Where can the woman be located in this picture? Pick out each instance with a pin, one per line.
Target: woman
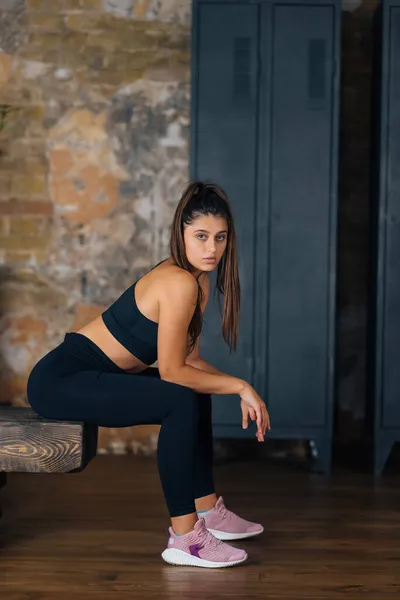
(100, 374)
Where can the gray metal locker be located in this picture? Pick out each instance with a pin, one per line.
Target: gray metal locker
(265, 94)
(384, 383)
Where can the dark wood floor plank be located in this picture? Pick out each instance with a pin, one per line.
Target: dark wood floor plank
(99, 534)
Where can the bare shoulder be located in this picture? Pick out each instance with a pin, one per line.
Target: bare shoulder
(176, 282)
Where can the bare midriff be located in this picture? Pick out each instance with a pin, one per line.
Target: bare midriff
(97, 331)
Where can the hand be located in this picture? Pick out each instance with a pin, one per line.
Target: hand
(251, 404)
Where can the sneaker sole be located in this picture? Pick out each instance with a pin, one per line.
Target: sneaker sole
(179, 557)
(223, 535)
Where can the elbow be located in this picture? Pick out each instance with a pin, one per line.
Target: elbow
(168, 374)
(192, 362)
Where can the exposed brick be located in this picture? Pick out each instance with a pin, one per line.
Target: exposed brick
(40, 256)
(40, 22)
(5, 67)
(45, 5)
(44, 42)
(90, 4)
(84, 313)
(24, 226)
(4, 225)
(28, 186)
(26, 207)
(61, 162)
(72, 4)
(27, 149)
(85, 5)
(21, 119)
(15, 257)
(84, 22)
(6, 178)
(12, 387)
(24, 326)
(23, 242)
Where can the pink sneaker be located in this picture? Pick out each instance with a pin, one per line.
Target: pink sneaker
(225, 525)
(199, 548)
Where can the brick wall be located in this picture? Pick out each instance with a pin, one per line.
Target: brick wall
(93, 156)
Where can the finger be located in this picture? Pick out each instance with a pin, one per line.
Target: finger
(259, 436)
(265, 423)
(268, 424)
(265, 419)
(259, 420)
(245, 420)
(252, 413)
(262, 423)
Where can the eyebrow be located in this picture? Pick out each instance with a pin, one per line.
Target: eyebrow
(206, 231)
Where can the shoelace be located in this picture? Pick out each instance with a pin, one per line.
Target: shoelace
(208, 539)
(225, 513)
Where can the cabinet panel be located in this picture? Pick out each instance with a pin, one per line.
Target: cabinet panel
(391, 223)
(300, 236)
(264, 125)
(383, 410)
(224, 150)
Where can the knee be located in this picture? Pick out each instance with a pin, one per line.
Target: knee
(186, 403)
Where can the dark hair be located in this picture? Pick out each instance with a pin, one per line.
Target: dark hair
(201, 198)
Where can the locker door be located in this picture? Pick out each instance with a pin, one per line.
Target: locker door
(390, 221)
(224, 125)
(300, 279)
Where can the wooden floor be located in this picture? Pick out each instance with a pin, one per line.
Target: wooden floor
(98, 535)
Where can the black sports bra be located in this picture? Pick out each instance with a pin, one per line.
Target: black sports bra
(131, 328)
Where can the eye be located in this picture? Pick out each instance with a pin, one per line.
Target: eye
(201, 236)
(221, 238)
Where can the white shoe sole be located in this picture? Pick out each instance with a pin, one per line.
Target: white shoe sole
(178, 557)
(222, 535)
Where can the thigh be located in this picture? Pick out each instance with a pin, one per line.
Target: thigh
(203, 400)
(113, 399)
(150, 372)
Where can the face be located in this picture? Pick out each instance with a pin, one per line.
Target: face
(205, 241)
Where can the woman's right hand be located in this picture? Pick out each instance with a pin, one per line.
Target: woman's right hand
(251, 404)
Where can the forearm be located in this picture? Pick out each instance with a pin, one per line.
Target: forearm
(203, 365)
(205, 382)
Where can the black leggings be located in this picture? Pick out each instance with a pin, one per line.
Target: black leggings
(78, 382)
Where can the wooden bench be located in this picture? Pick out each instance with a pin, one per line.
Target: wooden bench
(32, 444)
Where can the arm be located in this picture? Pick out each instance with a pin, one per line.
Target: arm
(194, 360)
(177, 303)
(203, 365)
